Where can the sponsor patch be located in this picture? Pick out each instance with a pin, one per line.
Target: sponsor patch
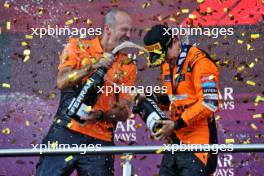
(211, 96)
(210, 106)
(209, 90)
(208, 84)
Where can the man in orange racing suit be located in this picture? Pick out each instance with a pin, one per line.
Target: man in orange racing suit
(192, 80)
(78, 61)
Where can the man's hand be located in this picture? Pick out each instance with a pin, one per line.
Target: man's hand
(93, 115)
(104, 62)
(166, 130)
(116, 113)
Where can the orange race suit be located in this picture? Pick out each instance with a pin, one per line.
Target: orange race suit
(194, 98)
(122, 72)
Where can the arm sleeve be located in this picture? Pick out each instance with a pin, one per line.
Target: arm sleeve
(205, 80)
(70, 55)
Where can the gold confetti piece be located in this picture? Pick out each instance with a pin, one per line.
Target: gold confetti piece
(247, 141)
(8, 25)
(41, 11)
(254, 36)
(259, 98)
(193, 17)
(69, 125)
(27, 123)
(239, 41)
(26, 58)
(69, 22)
(217, 117)
(6, 131)
(6, 85)
(54, 144)
(26, 52)
(184, 10)
(251, 65)
(251, 83)
(140, 53)
(241, 68)
(173, 19)
(200, 1)
(139, 125)
(29, 36)
(89, 22)
(126, 157)
(58, 121)
(73, 76)
(162, 149)
(243, 34)
(255, 116)
(160, 18)
(253, 126)
(24, 43)
(230, 141)
(256, 59)
(69, 158)
(88, 108)
(7, 4)
(146, 5)
(209, 10)
(132, 116)
(248, 46)
(225, 9)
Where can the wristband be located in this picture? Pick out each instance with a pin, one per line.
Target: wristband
(179, 124)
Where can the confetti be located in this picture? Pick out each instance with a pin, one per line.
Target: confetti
(88, 108)
(229, 141)
(26, 52)
(139, 125)
(24, 43)
(8, 25)
(251, 65)
(184, 10)
(162, 149)
(241, 68)
(69, 125)
(253, 126)
(26, 58)
(27, 123)
(41, 11)
(69, 158)
(248, 46)
(89, 22)
(254, 36)
(209, 10)
(251, 83)
(58, 121)
(217, 117)
(6, 85)
(239, 41)
(200, 1)
(69, 22)
(146, 5)
(7, 4)
(140, 53)
(6, 131)
(73, 76)
(54, 144)
(255, 116)
(29, 37)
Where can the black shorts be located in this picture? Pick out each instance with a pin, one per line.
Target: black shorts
(86, 165)
(181, 164)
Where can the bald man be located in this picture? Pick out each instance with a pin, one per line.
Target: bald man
(81, 58)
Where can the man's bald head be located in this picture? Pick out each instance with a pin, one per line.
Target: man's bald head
(117, 28)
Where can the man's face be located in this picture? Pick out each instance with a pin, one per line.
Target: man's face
(173, 52)
(122, 29)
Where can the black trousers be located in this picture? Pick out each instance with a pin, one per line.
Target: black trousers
(181, 164)
(63, 165)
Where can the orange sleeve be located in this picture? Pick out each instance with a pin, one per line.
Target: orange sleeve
(70, 51)
(205, 78)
